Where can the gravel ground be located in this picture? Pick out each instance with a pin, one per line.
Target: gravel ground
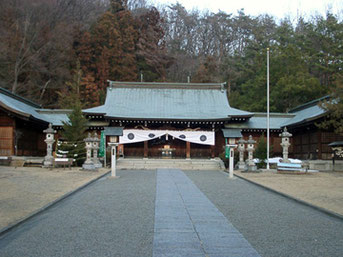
(112, 217)
(24, 190)
(323, 189)
(274, 225)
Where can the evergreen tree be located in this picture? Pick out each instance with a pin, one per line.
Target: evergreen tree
(261, 151)
(334, 106)
(73, 134)
(107, 51)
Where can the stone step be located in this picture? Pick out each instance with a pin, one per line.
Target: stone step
(17, 163)
(192, 164)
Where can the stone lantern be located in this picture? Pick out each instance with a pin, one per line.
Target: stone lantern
(285, 135)
(49, 140)
(89, 164)
(251, 166)
(96, 147)
(241, 148)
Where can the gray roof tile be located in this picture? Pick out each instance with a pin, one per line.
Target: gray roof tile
(232, 133)
(26, 108)
(306, 114)
(167, 101)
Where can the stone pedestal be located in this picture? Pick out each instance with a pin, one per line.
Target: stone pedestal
(89, 164)
(285, 135)
(241, 150)
(251, 166)
(49, 140)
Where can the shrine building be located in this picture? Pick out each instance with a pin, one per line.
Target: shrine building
(187, 120)
(173, 120)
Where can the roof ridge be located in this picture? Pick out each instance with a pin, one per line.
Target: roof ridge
(166, 85)
(19, 98)
(308, 104)
(273, 114)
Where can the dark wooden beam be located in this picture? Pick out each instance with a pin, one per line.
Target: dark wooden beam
(146, 149)
(319, 157)
(212, 151)
(188, 150)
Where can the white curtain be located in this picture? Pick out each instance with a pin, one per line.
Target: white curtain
(198, 137)
(135, 135)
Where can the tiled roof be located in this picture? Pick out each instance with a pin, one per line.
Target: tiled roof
(28, 109)
(306, 112)
(232, 133)
(259, 121)
(167, 101)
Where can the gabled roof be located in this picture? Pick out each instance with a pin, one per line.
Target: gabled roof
(259, 121)
(30, 110)
(307, 112)
(55, 116)
(19, 105)
(167, 101)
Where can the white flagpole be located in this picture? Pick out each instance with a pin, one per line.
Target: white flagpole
(267, 108)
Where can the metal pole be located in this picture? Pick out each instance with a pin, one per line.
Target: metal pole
(267, 108)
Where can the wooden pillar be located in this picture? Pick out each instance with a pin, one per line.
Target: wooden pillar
(271, 143)
(212, 151)
(301, 147)
(14, 146)
(309, 145)
(188, 150)
(319, 134)
(145, 149)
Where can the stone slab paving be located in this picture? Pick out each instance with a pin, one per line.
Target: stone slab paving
(188, 224)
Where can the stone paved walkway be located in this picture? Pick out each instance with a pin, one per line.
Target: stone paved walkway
(188, 224)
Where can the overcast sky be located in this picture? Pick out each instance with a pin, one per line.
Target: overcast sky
(277, 8)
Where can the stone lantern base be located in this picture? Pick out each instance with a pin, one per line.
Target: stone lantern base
(48, 162)
(286, 160)
(89, 166)
(241, 165)
(250, 166)
(98, 165)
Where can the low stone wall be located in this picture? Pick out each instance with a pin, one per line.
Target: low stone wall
(326, 165)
